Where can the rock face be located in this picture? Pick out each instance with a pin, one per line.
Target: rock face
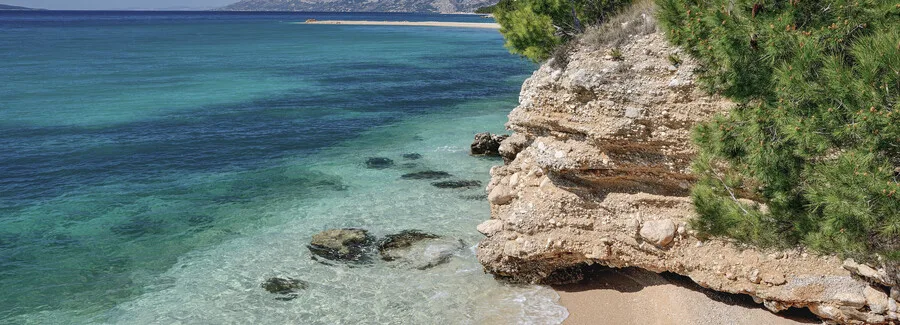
(599, 172)
(487, 144)
(347, 244)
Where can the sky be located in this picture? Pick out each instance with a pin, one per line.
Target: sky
(118, 4)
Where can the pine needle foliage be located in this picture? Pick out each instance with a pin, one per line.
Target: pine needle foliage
(815, 138)
(534, 28)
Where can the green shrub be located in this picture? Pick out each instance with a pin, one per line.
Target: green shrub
(533, 28)
(616, 54)
(816, 135)
(486, 9)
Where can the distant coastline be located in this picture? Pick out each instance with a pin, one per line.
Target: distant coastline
(402, 23)
(16, 8)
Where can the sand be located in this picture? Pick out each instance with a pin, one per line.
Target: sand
(404, 23)
(633, 296)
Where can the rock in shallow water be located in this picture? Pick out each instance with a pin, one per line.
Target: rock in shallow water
(429, 174)
(379, 163)
(487, 144)
(348, 244)
(418, 250)
(412, 156)
(404, 239)
(457, 184)
(287, 287)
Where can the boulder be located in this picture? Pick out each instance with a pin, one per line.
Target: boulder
(379, 163)
(428, 174)
(412, 156)
(487, 144)
(457, 184)
(348, 244)
(286, 287)
(658, 232)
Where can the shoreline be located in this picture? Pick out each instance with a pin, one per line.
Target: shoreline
(402, 23)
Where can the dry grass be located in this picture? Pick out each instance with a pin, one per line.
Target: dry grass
(636, 20)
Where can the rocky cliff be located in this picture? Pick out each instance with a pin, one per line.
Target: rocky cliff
(442, 6)
(598, 171)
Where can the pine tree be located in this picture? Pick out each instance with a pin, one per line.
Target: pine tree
(534, 28)
(811, 154)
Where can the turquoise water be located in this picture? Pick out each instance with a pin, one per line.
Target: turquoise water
(156, 167)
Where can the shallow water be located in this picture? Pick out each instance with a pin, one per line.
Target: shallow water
(159, 166)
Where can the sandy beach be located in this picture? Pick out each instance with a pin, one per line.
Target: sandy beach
(632, 296)
(404, 23)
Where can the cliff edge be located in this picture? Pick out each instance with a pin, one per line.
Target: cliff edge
(598, 171)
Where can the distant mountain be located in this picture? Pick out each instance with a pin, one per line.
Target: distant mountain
(8, 7)
(442, 6)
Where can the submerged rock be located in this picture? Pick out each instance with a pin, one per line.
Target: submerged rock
(418, 250)
(474, 197)
(348, 244)
(139, 226)
(379, 163)
(287, 287)
(412, 156)
(457, 184)
(402, 240)
(429, 174)
(487, 144)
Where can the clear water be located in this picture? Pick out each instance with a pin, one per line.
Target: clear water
(156, 167)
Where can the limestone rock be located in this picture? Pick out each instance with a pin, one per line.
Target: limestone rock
(876, 299)
(867, 272)
(613, 147)
(658, 232)
(773, 278)
(500, 195)
(490, 227)
(511, 147)
(348, 244)
(487, 144)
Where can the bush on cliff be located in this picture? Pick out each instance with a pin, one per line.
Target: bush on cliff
(816, 135)
(533, 28)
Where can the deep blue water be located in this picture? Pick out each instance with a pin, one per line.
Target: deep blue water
(131, 140)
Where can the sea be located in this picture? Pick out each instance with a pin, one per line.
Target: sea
(156, 167)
